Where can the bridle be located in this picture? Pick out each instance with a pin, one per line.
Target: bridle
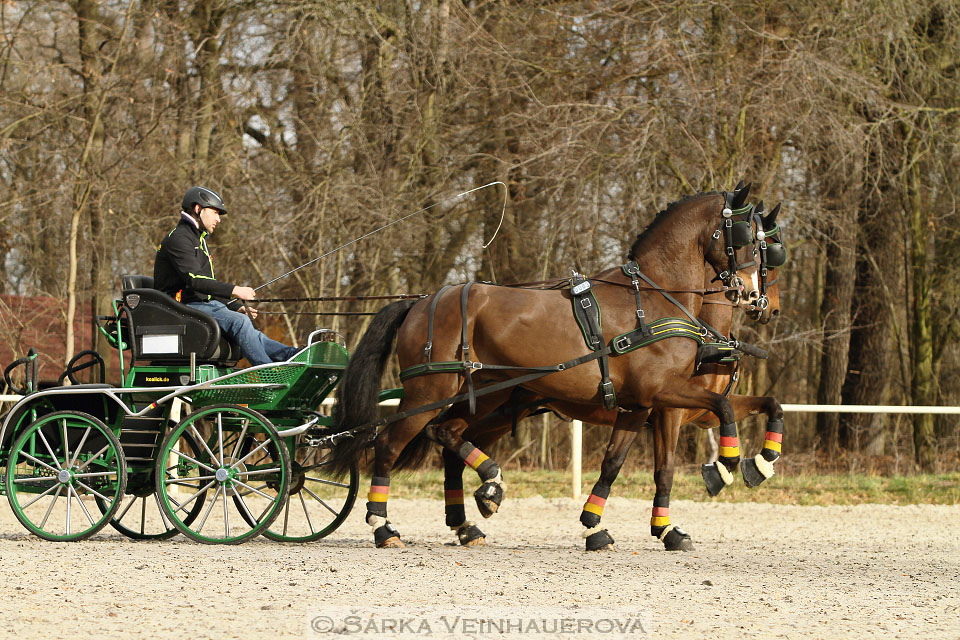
(736, 229)
(770, 249)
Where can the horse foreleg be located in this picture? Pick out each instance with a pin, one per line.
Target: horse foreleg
(624, 433)
(666, 432)
(719, 474)
(760, 467)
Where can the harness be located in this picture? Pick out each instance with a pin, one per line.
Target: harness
(587, 314)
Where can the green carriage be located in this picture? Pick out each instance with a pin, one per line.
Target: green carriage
(186, 444)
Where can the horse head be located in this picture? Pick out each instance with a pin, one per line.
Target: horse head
(730, 249)
(772, 255)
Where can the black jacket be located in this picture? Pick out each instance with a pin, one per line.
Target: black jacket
(184, 269)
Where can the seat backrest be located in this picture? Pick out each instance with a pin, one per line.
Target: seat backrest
(136, 282)
(166, 331)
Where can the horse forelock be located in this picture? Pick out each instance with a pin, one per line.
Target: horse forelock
(663, 214)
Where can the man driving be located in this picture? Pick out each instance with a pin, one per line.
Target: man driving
(183, 269)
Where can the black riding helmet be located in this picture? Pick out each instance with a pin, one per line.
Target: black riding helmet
(205, 198)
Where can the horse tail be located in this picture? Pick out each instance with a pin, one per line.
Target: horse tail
(357, 393)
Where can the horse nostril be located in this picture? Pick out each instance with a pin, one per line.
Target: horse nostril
(775, 313)
(754, 295)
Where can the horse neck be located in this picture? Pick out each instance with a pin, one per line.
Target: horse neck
(672, 252)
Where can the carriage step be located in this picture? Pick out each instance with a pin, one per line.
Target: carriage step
(139, 459)
(151, 431)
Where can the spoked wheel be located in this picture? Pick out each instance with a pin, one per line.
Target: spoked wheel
(318, 502)
(140, 515)
(58, 466)
(245, 495)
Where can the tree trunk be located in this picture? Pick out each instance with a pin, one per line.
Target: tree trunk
(835, 311)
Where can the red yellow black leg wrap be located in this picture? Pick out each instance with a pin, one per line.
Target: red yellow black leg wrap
(660, 515)
(593, 507)
(377, 497)
(729, 446)
(773, 441)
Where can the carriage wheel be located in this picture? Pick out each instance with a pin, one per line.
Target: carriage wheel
(58, 466)
(318, 503)
(247, 495)
(140, 515)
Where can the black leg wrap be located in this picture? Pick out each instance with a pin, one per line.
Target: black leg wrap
(377, 509)
(656, 531)
(770, 455)
(730, 462)
(469, 533)
(589, 520)
(751, 473)
(488, 470)
(712, 479)
(488, 497)
(456, 515)
(384, 533)
(599, 541)
(677, 540)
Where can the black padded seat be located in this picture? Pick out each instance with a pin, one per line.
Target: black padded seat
(167, 332)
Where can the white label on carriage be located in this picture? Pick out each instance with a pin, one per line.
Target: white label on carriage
(160, 344)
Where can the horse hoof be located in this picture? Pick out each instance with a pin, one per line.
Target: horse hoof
(392, 543)
(387, 537)
(677, 540)
(488, 497)
(600, 541)
(750, 470)
(712, 478)
(470, 535)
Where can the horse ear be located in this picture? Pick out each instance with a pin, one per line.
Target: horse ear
(740, 196)
(738, 187)
(759, 208)
(771, 217)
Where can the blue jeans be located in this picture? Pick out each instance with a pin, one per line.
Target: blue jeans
(256, 347)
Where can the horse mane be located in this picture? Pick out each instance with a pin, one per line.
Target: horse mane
(663, 213)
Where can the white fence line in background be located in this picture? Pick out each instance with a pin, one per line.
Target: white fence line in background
(868, 408)
(576, 426)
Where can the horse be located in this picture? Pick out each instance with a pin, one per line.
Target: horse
(523, 330)
(665, 421)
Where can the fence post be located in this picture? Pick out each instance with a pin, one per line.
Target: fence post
(576, 455)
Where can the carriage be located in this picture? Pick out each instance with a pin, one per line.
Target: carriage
(187, 443)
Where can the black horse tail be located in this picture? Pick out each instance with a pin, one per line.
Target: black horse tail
(359, 388)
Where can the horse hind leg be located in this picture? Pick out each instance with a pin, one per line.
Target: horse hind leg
(490, 494)
(468, 534)
(387, 447)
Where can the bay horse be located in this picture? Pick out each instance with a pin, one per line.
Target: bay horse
(502, 331)
(665, 421)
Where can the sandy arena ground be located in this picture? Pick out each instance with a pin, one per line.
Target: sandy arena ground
(759, 571)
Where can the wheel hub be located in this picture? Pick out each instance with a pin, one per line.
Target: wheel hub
(222, 475)
(64, 476)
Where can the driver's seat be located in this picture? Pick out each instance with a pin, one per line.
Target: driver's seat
(165, 331)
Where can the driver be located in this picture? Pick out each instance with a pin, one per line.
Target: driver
(184, 270)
